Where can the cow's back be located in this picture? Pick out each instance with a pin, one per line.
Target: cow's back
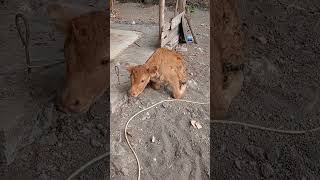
(170, 64)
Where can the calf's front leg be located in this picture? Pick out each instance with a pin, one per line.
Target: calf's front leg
(156, 85)
(177, 89)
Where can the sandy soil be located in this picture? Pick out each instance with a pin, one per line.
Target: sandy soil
(179, 150)
(63, 142)
(281, 90)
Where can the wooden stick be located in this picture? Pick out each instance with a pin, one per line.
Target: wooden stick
(176, 10)
(181, 5)
(161, 17)
(189, 23)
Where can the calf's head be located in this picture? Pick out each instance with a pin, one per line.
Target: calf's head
(140, 76)
(86, 50)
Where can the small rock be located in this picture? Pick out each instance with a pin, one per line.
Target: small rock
(196, 124)
(273, 154)
(255, 152)
(200, 49)
(89, 125)
(255, 12)
(154, 159)
(192, 84)
(153, 139)
(50, 139)
(95, 143)
(238, 164)
(133, 23)
(266, 170)
(100, 126)
(253, 163)
(125, 171)
(165, 105)
(85, 131)
(44, 176)
(147, 116)
(222, 148)
(262, 39)
(181, 49)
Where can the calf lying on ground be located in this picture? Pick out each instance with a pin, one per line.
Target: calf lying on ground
(164, 66)
(86, 51)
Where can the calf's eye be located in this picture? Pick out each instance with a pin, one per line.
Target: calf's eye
(142, 81)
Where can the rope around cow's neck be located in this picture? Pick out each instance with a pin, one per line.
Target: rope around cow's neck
(291, 132)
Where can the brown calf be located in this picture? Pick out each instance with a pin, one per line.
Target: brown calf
(226, 47)
(164, 66)
(86, 50)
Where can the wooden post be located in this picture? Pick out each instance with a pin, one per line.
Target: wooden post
(161, 17)
(181, 6)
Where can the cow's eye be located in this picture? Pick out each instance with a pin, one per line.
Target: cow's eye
(142, 81)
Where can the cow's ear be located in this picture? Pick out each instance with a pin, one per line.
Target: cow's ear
(129, 67)
(152, 70)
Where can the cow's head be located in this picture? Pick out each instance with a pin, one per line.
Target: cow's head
(140, 76)
(87, 55)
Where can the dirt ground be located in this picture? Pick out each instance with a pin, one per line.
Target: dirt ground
(281, 91)
(58, 143)
(69, 141)
(179, 151)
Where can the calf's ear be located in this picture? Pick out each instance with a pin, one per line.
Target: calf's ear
(129, 67)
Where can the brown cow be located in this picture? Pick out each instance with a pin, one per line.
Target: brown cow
(86, 50)
(164, 66)
(226, 47)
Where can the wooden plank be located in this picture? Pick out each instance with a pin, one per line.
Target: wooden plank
(164, 34)
(170, 36)
(174, 41)
(176, 20)
(174, 23)
(166, 26)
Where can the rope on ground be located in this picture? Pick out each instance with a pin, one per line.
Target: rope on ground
(292, 132)
(88, 164)
(125, 129)
(212, 121)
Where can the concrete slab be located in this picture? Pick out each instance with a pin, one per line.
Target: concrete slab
(135, 54)
(120, 40)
